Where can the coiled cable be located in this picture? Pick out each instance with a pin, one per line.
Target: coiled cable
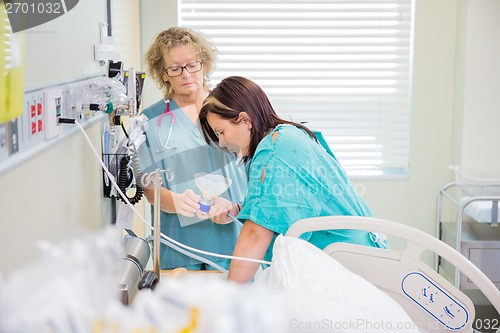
(125, 176)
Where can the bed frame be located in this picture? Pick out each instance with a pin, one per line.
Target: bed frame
(433, 303)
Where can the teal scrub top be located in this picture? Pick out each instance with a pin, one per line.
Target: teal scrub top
(302, 180)
(191, 155)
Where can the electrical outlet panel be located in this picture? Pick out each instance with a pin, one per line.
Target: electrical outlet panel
(41, 110)
(31, 124)
(40, 118)
(53, 106)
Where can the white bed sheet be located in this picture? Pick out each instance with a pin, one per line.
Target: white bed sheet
(322, 295)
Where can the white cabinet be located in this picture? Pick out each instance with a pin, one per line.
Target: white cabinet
(474, 233)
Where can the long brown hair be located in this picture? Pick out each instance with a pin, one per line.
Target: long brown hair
(236, 94)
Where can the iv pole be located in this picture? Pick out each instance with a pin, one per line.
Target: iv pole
(156, 223)
(156, 175)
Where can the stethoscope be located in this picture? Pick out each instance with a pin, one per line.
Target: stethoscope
(172, 121)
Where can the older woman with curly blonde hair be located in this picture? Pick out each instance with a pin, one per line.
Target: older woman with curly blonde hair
(180, 61)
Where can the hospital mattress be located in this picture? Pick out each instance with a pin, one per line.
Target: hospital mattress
(433, 303)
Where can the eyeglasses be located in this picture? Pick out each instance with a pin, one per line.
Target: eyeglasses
(192, 67)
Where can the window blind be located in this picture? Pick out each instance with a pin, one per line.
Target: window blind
(343, 67)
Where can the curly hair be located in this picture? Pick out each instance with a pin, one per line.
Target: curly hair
(171, 38)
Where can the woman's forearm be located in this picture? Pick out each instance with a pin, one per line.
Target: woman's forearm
(252, 242)
(185, 203)
(166, 201)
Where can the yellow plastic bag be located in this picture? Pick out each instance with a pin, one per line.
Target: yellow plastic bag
(11, 70)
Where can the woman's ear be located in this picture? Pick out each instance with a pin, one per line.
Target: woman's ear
(245, 119)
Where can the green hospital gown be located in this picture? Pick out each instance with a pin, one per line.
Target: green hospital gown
(301, 180)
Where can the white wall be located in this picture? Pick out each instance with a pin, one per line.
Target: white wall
(154, 19)
(57, 191)
(56, 187)
(481, 87)
(413, 201)
(51, 194)
(62, 49)
(455, 109)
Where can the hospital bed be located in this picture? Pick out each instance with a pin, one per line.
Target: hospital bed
(417, 291)
(429, 299)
